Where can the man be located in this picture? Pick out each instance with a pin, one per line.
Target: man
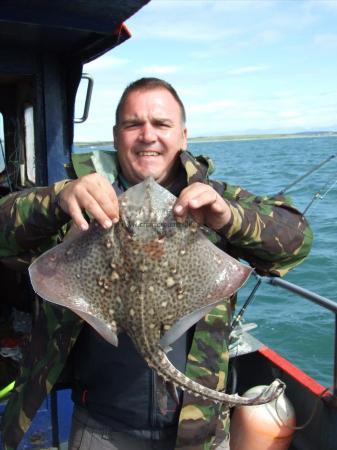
(113, 389)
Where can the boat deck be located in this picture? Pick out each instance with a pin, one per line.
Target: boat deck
(254, 364)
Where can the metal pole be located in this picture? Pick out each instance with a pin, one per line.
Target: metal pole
(315, 298)
(335, 361)
(319, 300)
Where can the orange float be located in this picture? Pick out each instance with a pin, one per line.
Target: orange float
(263, 427)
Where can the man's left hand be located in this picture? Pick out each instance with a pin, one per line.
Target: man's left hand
(204, 204)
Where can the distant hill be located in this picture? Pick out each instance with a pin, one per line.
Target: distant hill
(93, 143)
(248, 137)
(233, 137)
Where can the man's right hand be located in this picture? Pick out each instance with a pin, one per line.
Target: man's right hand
(92, 193)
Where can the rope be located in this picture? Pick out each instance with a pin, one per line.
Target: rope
(312, 415)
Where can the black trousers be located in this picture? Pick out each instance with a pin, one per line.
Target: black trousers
(88, 434)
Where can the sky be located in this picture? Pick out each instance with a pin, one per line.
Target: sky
(240, 66)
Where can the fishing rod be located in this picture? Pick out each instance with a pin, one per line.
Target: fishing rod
(250, 298)
(325, 188)
(318, 195)
(313, 169)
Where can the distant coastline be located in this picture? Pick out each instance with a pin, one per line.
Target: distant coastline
(258, 137)
(234, 137)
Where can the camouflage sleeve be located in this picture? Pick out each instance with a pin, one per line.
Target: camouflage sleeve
(268, 232)
(29, 219)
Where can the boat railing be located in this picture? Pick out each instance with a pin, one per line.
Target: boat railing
(318, 300)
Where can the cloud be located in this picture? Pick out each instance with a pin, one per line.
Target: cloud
(210, 106)
(329, 5)
(273, 113)
(269, 36)
(173, 29)
(247, 70)
(105, 62)
(216, 28)
(166, 19)
(243, 5)
(327, 41)
(289, 114)
(160, 70)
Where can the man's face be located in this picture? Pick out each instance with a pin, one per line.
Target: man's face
(149, 135)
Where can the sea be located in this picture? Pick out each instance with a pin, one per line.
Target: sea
(296, 328)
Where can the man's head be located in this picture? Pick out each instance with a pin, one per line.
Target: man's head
(150, 130)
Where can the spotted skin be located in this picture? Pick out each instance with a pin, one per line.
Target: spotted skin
(145, 276)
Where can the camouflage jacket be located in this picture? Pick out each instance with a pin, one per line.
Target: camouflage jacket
(268, 232)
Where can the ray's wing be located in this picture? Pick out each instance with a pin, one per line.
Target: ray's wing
(203, 276)
(73, 273)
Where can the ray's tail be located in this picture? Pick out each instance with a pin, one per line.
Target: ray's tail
(163, 366)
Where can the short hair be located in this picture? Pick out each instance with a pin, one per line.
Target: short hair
(147, 84)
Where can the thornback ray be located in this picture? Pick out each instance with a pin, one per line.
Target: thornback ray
(149, 276)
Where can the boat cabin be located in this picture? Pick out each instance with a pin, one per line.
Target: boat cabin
(43, 46)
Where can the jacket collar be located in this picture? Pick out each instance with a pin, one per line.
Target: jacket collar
(106, 163)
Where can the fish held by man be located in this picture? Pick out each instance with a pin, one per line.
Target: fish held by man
(149, 276)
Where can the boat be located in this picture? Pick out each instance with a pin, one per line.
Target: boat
(43, 49)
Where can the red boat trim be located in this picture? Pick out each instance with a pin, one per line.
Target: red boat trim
(294, 372)
(125, 30)
(122, 33)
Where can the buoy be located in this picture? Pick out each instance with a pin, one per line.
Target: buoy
(263, 427)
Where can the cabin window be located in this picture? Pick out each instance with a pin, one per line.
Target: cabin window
(2, 144)
(29, 143)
